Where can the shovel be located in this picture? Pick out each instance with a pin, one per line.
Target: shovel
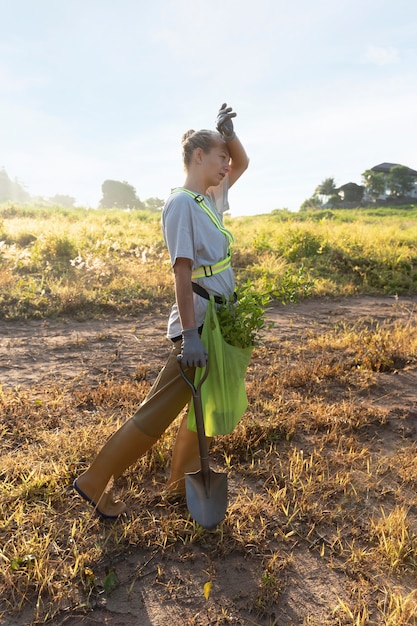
(205, 490)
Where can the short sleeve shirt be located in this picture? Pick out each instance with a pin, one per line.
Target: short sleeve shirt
(190, 233)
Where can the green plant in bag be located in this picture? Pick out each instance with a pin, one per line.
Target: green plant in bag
(242, 322)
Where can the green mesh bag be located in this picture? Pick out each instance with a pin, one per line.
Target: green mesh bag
(223, 394)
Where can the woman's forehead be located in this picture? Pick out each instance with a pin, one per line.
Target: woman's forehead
(221, 145)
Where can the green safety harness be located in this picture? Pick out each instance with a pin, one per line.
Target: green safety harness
(210, 270)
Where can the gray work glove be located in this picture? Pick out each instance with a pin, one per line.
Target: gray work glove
(224, 122)
(193, 351)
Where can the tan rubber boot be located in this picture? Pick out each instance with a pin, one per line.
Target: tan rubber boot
(185, 458)
(120, 452)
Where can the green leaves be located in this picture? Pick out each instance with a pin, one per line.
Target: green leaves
(292, 285)
(110, 582)
(242, 322)
(21, 562)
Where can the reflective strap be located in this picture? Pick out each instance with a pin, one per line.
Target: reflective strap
(213, 215)
(210, 270)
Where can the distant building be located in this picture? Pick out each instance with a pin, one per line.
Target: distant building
(385, 168)
(353, 194)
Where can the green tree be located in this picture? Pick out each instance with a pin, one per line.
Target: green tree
(154, 204)
(5, 186)
(323, 192)
(311, 203)
(67, 202)
(119, 194)
(374, 182)
(326, 188)
(11, 190)
(400, 181)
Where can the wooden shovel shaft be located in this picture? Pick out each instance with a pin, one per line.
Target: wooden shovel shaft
(202, 442)
(199, 420)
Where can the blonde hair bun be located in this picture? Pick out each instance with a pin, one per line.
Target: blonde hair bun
(203, 139)
(186, 135)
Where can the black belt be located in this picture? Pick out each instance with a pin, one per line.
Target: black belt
(200, 291)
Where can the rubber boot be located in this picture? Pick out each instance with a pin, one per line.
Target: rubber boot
(185, 458)
(120, 452)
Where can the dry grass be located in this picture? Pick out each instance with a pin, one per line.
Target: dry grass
(313, 472)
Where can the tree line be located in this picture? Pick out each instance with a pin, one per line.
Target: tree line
(121, 194)
(114, 194)
(397, 184)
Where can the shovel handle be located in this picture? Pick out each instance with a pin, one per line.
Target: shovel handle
(190, 383)
(199, 420)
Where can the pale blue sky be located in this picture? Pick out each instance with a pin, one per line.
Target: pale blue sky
(97, 89)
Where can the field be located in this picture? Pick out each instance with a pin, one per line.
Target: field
(321, 527)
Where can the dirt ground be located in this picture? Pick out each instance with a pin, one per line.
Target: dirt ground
(36, 352)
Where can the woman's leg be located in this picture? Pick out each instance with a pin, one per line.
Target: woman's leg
(121, 450)
(168, 396)
(185, 457)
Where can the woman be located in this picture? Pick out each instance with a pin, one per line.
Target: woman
(198, 245)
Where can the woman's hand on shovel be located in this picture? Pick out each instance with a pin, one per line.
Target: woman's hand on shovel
(193, 351)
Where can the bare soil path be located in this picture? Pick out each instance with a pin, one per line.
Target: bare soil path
(33, 352)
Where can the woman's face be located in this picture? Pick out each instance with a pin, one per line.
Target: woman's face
(216, 163)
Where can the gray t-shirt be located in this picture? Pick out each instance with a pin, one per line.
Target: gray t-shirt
(190, 233)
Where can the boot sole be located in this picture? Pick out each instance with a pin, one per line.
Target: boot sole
(93, 504)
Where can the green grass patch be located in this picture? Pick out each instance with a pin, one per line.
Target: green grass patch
(56, 262)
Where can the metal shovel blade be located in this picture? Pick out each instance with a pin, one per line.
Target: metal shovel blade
(206, 497)
(205, 490)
